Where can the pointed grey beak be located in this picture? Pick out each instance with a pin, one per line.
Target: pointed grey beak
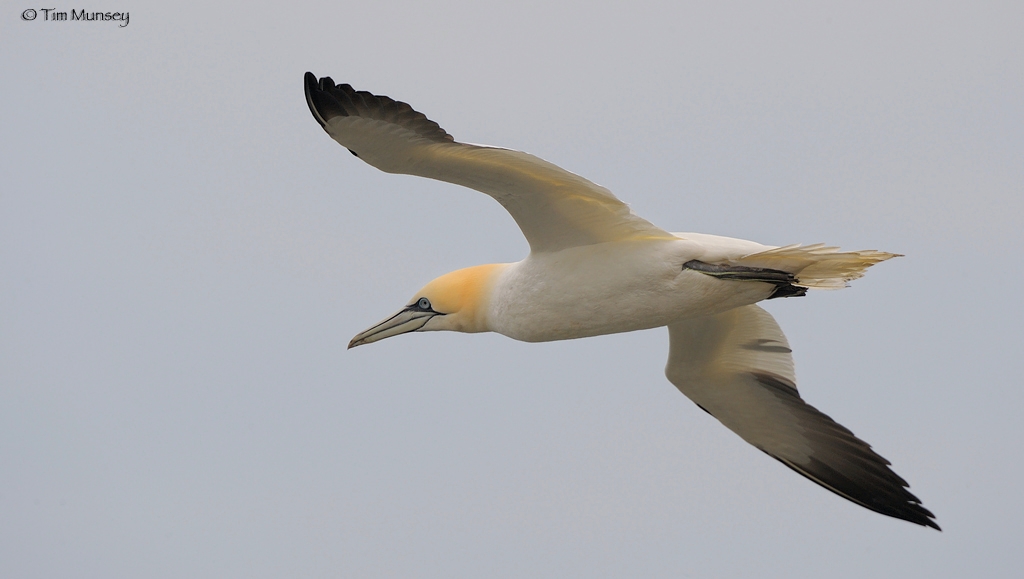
(407, 319)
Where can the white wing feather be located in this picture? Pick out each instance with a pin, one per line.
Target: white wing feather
(554, 208)
(738, 367)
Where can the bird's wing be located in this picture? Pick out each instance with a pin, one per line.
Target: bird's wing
(554, 208)
(737, 366)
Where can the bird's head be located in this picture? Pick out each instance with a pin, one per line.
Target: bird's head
(456, 301)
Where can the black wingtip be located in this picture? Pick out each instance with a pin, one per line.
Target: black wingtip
(892, 498)
(328, 100)
(309, 83)
(322, 104)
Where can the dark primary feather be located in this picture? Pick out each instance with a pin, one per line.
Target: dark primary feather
(845, 464)
(327, 100)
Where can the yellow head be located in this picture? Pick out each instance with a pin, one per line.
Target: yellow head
(456, 301)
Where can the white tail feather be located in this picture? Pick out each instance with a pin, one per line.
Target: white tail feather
(817, 266)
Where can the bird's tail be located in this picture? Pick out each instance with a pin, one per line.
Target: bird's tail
(816, 266)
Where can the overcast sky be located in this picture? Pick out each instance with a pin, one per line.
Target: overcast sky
(184, 255)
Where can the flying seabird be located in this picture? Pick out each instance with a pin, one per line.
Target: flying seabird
(596, 268)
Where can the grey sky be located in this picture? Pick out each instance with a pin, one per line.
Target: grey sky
(185, 255)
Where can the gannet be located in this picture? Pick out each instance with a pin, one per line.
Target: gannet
(595, 268)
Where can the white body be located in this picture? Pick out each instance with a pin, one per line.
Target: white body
(608, 288)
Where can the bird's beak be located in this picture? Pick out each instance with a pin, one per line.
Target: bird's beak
(407, 319)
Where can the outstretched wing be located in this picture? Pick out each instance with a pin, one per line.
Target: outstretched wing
(554, 208)
(737, 366)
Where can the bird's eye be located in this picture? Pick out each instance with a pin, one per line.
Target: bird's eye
(423, 304)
